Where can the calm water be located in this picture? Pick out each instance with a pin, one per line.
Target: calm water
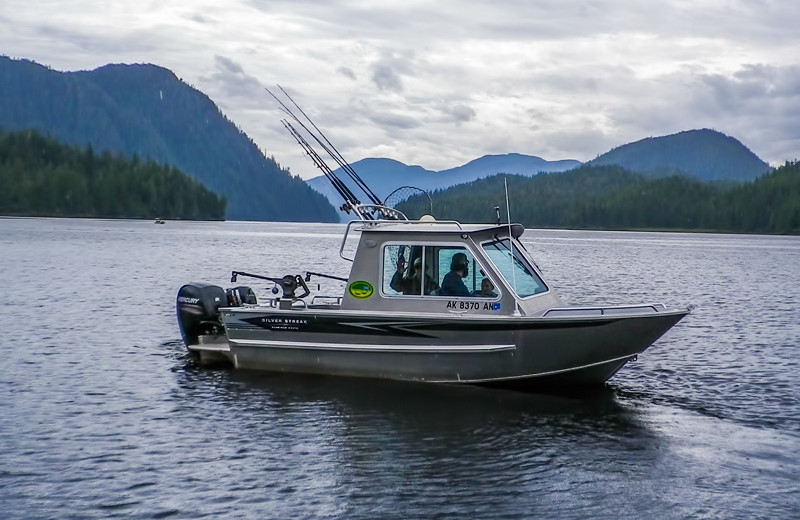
(101, 416)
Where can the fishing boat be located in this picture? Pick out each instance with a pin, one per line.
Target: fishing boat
(426, 300)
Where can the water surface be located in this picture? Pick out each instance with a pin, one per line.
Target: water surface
(101, 416)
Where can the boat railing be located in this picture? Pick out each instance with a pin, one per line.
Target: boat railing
(616, 310)
(387, 212)
(372, 223)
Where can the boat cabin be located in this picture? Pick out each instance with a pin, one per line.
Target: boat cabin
(429, 266)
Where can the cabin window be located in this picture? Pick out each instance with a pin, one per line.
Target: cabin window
(403, 266)
(459, 274)
(519, 274)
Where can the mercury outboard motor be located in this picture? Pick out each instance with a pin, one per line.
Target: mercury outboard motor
(198, 308)
(198, 311)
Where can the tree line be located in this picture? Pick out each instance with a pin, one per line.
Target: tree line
(145, 110)
(610, 197)
(42, 177)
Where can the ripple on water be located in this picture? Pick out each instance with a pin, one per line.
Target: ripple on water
(104, 416)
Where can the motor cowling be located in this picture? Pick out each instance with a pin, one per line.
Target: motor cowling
(198, 311)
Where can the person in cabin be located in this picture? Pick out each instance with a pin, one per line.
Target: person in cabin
(410, 283)
(453, 282)
(486, 290)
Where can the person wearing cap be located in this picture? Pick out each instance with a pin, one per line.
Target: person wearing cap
(409, 283)
(453, 283)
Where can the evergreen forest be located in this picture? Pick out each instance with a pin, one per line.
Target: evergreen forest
(611, 197)
(146, 111)
(43, 177)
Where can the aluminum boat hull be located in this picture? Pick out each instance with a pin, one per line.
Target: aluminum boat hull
(506, 351)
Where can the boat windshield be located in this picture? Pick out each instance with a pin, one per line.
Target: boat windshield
(516, 270)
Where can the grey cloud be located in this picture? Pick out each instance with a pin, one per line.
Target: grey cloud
(346, 72)
(201, 18)
(546, 77)
(461, 113)
(504, 20)
(386, 78)
(758, 104)
(387, 70)
(228, 65)
(389, 119)
(230, 78)
(754, 91)
(112, 42)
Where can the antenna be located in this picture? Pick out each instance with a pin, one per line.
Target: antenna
(511, 245)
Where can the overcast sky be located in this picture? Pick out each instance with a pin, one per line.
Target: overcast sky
(439, 83)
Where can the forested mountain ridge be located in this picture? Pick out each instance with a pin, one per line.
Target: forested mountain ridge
(385, 175)
(706, 155)
(610, 197)
(703, 154)
(146, 111)
(43, 177)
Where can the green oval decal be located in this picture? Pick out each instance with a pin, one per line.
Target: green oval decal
(361, 290)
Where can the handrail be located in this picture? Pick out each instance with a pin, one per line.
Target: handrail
(602, 310)
(344, 238)
(321, 297)
(396, 214)
(370, 223)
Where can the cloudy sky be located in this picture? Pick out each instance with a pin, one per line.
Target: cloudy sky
(439, 83)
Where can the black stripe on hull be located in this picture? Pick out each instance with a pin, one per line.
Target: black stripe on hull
(420, 328)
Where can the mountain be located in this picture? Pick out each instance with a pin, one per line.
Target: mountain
(511, 163)
(703, 154)
(145, 111)
(385, 175)
(610, 197)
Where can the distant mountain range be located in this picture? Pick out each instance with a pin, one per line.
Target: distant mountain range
(385, 175)
(611, 197)
(146, 111)
(705, 155)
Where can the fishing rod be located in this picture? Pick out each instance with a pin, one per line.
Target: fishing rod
(349, 198)
(338, 157)
(329, 147)
(351, 202)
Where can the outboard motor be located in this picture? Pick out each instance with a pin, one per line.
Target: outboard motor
(198, 311)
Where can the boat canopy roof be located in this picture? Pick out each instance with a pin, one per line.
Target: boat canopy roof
(440, 226)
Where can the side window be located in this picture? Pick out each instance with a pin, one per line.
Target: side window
(461, 275)
(403, 267)
(395, 261)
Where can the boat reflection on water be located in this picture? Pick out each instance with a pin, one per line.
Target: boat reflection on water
(394, 446)
(379, 409)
